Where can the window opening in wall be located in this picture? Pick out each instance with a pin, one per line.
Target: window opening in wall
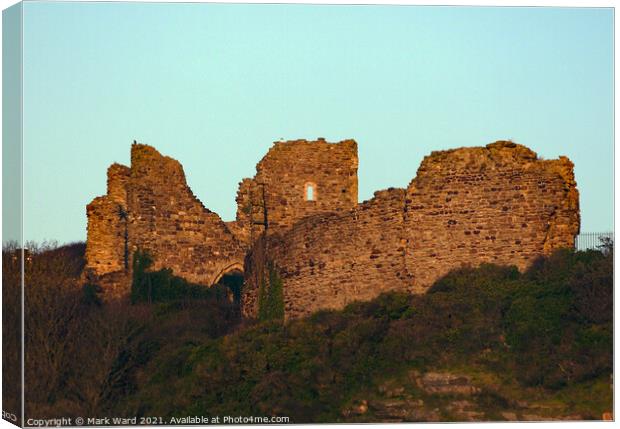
(310, 189)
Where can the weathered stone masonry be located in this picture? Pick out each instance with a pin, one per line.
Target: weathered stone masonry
(107, 224)
(498, 203)
(163, 218)
(329, 260)
(278, 194)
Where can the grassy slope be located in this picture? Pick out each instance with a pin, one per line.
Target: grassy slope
(538, 344)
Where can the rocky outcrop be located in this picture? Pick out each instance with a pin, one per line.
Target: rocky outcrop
(445, 396)
(446, 384)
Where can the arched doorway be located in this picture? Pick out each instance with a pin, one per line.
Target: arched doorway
(232, 278)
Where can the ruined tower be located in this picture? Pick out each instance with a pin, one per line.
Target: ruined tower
(296, 179)
(150, 207)
(494, 204)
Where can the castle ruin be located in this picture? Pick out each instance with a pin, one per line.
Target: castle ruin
(496, 204)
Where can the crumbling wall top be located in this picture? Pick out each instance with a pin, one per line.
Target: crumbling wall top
(145, 158)
(503, 152)
(118, 175)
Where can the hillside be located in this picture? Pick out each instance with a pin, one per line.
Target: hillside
(484, 344)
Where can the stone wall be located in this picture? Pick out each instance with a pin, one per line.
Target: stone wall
(106, 236)
(497, 204)
(170, 223)
(329, 260)
(150, 207)
(278, 192)
(250, 220)
(107, 225)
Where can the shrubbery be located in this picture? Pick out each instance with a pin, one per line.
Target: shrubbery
(81, 352)
(185, 353)
(70, 339)
(163, 286)
(549, 327)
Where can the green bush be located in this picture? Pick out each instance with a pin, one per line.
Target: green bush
(550, 327)
(560, 321)
(91, 294)
(163, 286)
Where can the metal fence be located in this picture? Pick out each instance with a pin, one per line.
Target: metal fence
(591, 240)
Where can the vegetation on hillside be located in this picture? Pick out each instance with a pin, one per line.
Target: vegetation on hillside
(547, 332)
(544, 336)
(77, 349)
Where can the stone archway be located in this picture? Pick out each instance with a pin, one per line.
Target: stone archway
(231, 277)
(235, 266)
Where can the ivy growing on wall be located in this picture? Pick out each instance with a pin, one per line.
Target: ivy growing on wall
(271, 296)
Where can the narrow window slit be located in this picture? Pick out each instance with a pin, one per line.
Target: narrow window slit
(310, 191)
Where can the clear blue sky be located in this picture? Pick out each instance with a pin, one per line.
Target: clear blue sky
(214, 85)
